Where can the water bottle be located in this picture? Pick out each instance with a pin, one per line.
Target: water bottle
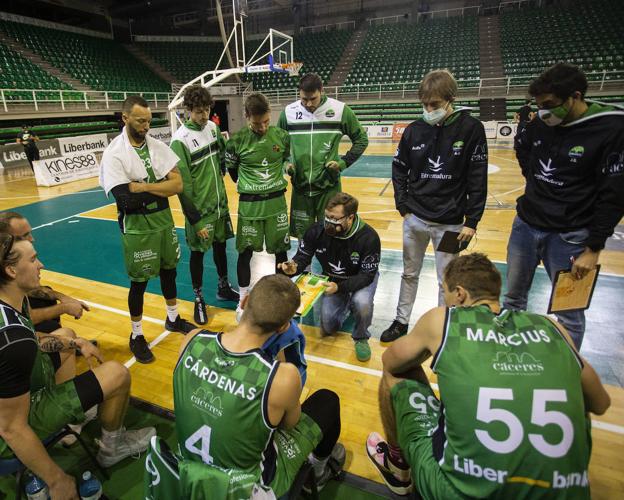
(90, 487)
(36, 489)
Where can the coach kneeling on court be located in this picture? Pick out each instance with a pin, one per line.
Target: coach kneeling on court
(348, 250)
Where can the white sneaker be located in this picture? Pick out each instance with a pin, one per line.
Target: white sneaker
(70, 439)
(128, 443)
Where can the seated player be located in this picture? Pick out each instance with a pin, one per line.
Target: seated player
(238, 410)
(348, 250)
(47, 305)
(511, 421)
(32, 405)
(287, 346)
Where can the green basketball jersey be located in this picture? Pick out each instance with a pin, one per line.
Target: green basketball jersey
(158, 214)
(221, 410)
(200, 152)
(259, 160)
(513, 421)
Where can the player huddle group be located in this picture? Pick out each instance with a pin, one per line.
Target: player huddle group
(510, 417)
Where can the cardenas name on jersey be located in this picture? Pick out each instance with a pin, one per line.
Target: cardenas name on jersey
(200, 370)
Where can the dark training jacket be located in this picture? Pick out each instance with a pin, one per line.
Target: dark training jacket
(439, 173)
(574, 174)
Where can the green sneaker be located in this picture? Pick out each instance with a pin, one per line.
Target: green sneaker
(362, 350)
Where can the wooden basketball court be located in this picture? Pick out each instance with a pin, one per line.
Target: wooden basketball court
(78, 239)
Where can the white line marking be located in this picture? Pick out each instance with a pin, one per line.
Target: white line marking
(315, 359)
(515, 162)
(47, 197)
(617, 429)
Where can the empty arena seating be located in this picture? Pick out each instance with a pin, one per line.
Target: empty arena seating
(587, 34)
(373, 113)
(19, 73)
(184, 60)
(406, 52)
(319, 52)
(100, 63)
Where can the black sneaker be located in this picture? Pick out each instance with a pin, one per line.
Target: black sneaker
(141, 350)
(226, 292)
(179, 325)
(199, 312)
(396, 330)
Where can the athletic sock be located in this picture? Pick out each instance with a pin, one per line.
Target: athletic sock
(243, 291)
(395, 455)
(318, 464)
(110, 438)
(198, 293)
(172, 312)
(223, 281)
(137, 328)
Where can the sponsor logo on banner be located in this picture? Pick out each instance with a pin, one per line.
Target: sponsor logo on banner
(69, 159)
(490, 129)
(13, 155)
(83, 144)
(397, 131)
(506, 130)
(161, 133)
(379, 131)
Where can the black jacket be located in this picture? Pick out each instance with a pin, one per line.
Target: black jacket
(574, 174)
(439, 173)
(352, 262)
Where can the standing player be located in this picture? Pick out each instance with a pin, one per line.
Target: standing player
(256, 157)
(316, 123)
(141, 173)
(572, 158)
(439, 174)
(511, 421)
(201, 151)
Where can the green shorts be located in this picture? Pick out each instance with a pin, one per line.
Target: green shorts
(50, 410)
(306, 210)
(263, 222)
(219, 231)
(146, 254)
(293, 448)
(417, 411)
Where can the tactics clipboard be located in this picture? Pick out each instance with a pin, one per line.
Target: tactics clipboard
(569, 294)
(311, 288)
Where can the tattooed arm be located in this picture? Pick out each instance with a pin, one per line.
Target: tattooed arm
(59, 343)
(44, 293)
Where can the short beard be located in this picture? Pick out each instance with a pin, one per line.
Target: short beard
(135, 136)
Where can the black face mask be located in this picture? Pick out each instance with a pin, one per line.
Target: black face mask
(331, 227)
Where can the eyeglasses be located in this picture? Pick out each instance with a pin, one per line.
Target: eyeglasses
(8, 245)
(335, 221)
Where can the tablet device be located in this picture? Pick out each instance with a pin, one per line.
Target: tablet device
(450, 244)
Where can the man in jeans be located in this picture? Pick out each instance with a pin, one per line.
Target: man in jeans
(348, 250)
(572, 158)
(439, 175)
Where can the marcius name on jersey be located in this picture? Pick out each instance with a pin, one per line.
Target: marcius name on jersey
(515, 339)
(238, 389)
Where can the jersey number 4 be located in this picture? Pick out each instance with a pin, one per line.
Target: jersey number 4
(540, 416)
(201, 436)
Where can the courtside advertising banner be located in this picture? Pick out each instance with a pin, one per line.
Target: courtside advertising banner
(77, 158)
(506, 131)
(397, 131)
(490, 129)
(379, 131)
(161, 133)
(13, 155)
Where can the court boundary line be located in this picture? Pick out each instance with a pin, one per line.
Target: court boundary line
(616, 429)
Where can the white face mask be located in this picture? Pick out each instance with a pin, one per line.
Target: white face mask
(434, 117)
